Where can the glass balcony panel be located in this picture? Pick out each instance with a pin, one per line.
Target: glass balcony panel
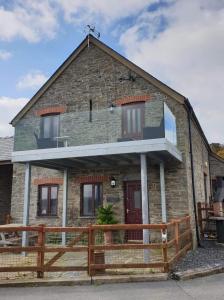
(170, 125)
(149, 120)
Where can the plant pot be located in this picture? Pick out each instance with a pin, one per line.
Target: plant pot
(108, 237)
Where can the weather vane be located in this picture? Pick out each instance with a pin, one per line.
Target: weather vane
(90, 29)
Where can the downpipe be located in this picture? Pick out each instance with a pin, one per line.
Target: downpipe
(192, 178)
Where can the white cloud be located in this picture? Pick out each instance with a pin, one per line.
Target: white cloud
(28, 19)
(4, 55)
(187, 54)
(35, 20)
(100, 12)
(9, 107)
(32, 80)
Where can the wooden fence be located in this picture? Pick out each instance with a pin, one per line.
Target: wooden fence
(168, 242)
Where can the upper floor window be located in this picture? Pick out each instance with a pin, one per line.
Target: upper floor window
(47, 200)
(91, 198)
(50, 126)
(133, 120)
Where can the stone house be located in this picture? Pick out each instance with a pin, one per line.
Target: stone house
(102, 130)
(6, 171)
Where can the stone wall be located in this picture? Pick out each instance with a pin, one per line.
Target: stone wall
(5, 191)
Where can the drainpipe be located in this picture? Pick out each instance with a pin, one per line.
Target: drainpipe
(210, 180)
(192, 176)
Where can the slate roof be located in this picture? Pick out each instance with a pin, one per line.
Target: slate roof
(6, 148)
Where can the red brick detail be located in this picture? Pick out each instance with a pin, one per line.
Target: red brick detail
(51, 110)
(40, 181)
(90, 179)
(131, 99)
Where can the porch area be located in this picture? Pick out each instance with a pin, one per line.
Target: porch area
(142, 156)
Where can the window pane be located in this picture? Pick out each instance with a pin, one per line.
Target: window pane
(139, 120)
(54, 192)
(43, 210)
(87, 200)
(46, 127)
(44, 201)
(55, 126)
(98, 198)
(129, 120)
(53, 211)
(53, 200)
(44, 192)
(133, 120)
(137, 199)
(50, 126)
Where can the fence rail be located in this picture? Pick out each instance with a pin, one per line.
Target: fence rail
(89, 248)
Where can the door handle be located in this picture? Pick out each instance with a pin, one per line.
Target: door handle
(127, 210)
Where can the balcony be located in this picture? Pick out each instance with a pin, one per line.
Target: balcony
(142, 121)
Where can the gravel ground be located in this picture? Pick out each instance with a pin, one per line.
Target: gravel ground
(210, 254)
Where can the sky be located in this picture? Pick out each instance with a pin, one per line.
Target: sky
(180, 42)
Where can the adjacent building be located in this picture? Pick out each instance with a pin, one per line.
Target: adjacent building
(6, 172)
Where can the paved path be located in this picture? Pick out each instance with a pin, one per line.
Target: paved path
(211, 288)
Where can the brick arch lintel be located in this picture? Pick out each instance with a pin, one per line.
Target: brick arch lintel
(132, 99)
(51, 110)
(53, 180)
(92, 179)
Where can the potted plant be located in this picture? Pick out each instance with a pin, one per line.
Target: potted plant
(105, 216)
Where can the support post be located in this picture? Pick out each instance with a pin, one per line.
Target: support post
(65, 202)
(162, 191)
(145, 203)
(26, 205)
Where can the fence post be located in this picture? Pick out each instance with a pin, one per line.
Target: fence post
(177, 234)
(165, 256)
(91, 242)
(40, 254)
(189, 228)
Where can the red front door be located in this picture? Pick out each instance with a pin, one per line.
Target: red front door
(133, 208)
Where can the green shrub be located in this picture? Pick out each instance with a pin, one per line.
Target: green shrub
(105, 215)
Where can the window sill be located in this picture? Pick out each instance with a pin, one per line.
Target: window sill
(47, 217)
(87, 217)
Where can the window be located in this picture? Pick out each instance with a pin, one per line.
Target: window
(91, 198)
(50, 126)
(47, 200)
(132, 120)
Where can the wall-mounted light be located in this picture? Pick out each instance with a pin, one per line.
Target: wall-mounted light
(111, 108)
(112, 182)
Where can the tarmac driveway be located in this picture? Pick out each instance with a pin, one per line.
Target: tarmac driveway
(211, 287)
